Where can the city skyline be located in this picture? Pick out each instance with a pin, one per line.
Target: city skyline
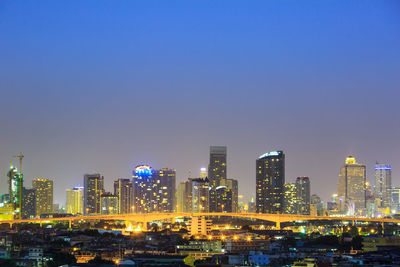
(102, 88)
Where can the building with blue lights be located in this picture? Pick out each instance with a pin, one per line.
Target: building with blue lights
(153, 190)
(383, 185)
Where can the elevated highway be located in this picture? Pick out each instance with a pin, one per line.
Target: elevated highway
(149, 217)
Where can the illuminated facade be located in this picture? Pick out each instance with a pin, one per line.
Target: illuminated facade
(395, 201)
(166, 179)
(181, 198)
(203, 173)
(303, 195)
(318, 203)
(223, 199)
(270, 178)
(28, 203)
(352, 187)
(383, 185)
(75, 200)
(216, 172)
(109, 204)
(290, 199)
(123, 188)
(153, 190)
(200, 194)
(15, 182)
(93, 189)
(199, 226)
(44, 196)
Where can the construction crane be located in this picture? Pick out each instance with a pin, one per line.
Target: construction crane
(20, 157)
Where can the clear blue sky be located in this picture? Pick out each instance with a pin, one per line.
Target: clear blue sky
(105, 85)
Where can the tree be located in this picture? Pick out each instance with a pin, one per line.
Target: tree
(98, 260)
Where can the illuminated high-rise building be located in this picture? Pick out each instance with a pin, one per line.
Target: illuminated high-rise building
(74, 203)
(270, 178)
(166, 180)
(290, 199)
(123, 189)
(395, 201)
(109, 204)
(216, 172)
(383, 185)
(153, 190)
(28, 203)
(15, 182)
(319, 204)
(44, 196)
(93, 189)
(223, 199)
(303, 195)
(352, 187)
(199, 194)
(181, 198)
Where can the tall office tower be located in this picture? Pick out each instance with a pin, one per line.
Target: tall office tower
(145, 190)
(303, 195)
(15, 182)
(351, 187)
(75, 200)
(44, 196)
(123, 189)
(181, 198)
(28, 203)
(223, 199)
(200, 194)
(216, 172)
(383, 184)
(93, 189)
(203, 173)
(109, 204)
(319, 204)
(290, 199)
(270, 178)
(165, 179)
(395, 203)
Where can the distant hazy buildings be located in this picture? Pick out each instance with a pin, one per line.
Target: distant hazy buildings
(352, 187)
(199, 194)
(93, 189)
(123, 189)
(270, 178)
(303, 195)
(383, 185)
(166, 182)
(44, 196)
(74, 204)
(395, 201)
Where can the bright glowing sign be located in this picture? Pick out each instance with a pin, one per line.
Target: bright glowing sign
(269, 154)
(143, 171)
(383, 168)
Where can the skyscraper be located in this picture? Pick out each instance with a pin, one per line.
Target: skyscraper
(303, 195)
(28, 203)
(123, 189)
(270, 178)
(75, 200)
(203, 172)
(290, 199)
(44, 196)
(352, 187)
(200, 194)
(395, 201)
(166, 180)
(181, 197)
(93, 188)
(383, 185)
(217, 166)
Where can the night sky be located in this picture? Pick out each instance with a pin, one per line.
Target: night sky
(102, 86)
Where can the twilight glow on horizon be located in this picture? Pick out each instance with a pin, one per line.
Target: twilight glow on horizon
(99, 86)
